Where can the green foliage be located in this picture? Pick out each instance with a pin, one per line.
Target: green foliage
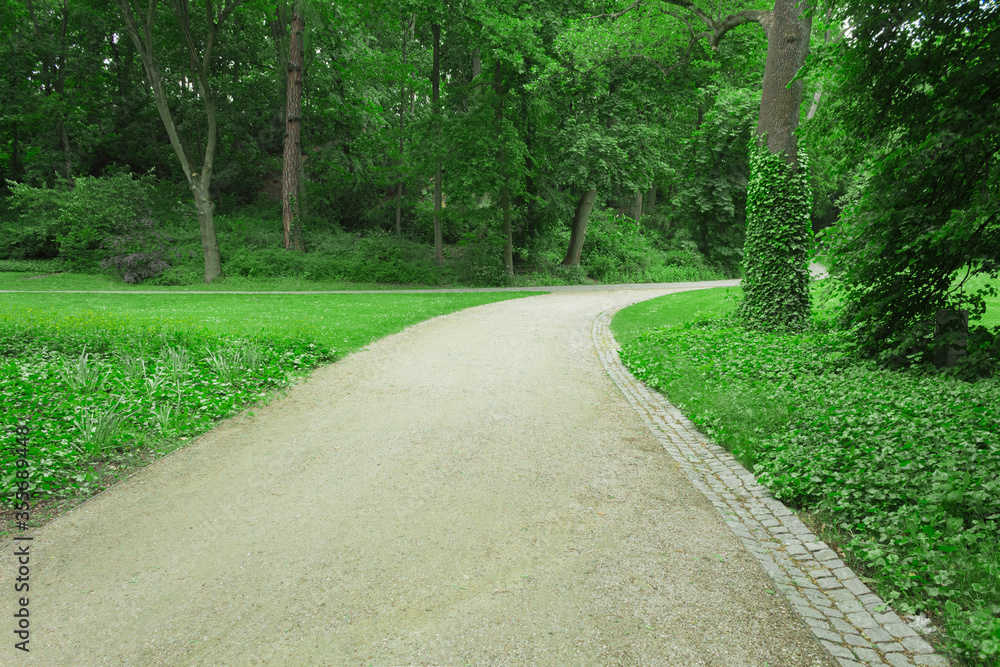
(778, 240)
(100, 219)
(85, 409)
(34, 223)
(711, 197)
(920, 94)
(619, 250)
(906, 464)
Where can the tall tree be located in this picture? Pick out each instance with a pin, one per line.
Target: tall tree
(435, 102)
(291, 184)
(919, 91)
(142, 34)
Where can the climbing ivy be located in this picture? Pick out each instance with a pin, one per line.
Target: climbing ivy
(775, 268)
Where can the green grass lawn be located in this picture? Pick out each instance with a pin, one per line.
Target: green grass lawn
(30, 280)
(902, 468)
(344, 322)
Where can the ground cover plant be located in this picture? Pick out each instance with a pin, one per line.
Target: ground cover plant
(108, 383)
(904, 465)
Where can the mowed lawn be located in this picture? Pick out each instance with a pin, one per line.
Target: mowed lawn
(345, 322)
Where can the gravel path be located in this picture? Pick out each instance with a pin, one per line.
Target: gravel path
(473, 490)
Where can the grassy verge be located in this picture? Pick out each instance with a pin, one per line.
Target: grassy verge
(903, 467)
(106, 383)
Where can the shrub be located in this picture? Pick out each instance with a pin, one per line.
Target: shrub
(36, 223)
(140, 252)
(79, 223)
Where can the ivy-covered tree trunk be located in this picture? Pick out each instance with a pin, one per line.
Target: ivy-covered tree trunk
(779, 199)
(775, 270)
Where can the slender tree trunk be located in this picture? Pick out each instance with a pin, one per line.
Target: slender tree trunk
(579, 230)
(435, 96)
(650, 202)
(508, 251)
(199, 182)
(530, 187)
(402, 111)
(477, 68)
(636, 211)
(290, 185)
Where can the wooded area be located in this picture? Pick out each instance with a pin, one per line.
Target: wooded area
(508, 138)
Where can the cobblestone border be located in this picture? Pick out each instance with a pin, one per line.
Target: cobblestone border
(854, 624)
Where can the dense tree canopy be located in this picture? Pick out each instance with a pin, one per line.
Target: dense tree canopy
(499, 128)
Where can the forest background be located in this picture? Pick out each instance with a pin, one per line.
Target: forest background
(419, 131)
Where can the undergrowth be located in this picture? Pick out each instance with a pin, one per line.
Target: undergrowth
(94, 389)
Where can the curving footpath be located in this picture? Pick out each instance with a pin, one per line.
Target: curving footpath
(472, 490)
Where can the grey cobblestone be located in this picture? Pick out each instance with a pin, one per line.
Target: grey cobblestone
(836, 605)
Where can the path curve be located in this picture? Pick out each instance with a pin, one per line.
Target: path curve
(472, 490)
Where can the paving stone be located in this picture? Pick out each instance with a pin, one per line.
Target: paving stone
(890, 647)
(916, 645)
(840, 595)
(818, 623)
(818, 597)
(899, 629)
(867, 654)
(832, 613)
(856, 586)
(898, 660)
(888, 617)
(844, 662)
(862, 620)
(849, 606)
(836, 650)
(877, 634)
(828, 635)
(778, 538)
(843, 626)
(810, 612)
(931, 660)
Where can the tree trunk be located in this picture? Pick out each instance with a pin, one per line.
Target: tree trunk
(776, 275)
(435, 96)
(199, 183)
(291, 215)
(477, 68)
(636, 212)
(206, 227)
(402, 110)
(579, 230)
(508, 251)
(787, 28)
(650, 202)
